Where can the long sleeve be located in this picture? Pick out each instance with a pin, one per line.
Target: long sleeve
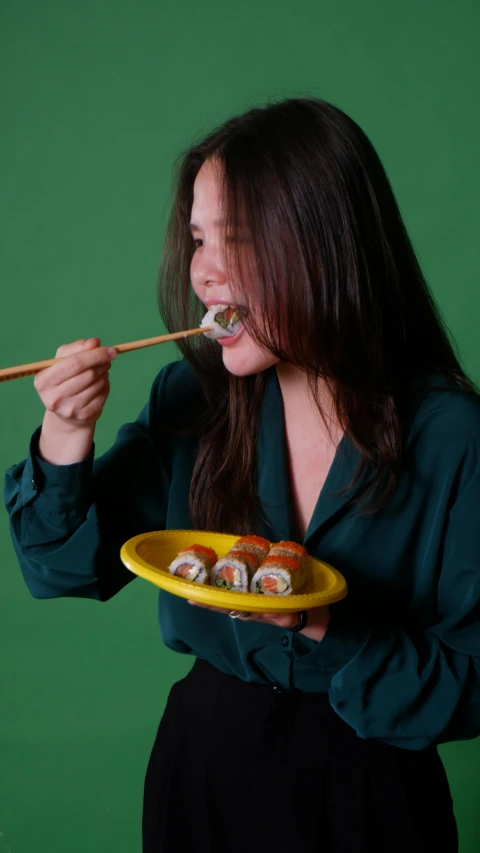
(410, 688)
(68, 522)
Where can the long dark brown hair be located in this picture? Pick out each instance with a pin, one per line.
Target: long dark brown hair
(338, 291)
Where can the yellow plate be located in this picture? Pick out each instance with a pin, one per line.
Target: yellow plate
(150, 554)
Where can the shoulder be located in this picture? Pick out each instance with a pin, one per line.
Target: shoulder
(445, 421)
(176, 393)
(176, 380)
(443, 407)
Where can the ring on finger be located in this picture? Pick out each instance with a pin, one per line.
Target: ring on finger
(239, 614)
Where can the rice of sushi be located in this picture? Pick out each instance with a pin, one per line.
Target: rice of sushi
(234, 570)
(194, 564)
(278, 575)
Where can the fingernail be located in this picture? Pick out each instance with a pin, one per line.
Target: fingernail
(112, 352)
(191, 602)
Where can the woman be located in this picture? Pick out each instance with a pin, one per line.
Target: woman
(338, 416)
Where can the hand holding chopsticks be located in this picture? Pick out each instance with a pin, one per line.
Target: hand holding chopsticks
(35, 366)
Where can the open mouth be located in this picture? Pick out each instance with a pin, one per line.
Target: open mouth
(226, 321)
(231, 339)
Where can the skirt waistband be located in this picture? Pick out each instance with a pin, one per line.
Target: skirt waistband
(205, 673)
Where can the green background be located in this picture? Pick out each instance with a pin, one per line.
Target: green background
(97, 99)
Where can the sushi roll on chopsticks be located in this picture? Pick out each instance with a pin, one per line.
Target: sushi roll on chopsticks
(194, 563)
(282, 572)
(235, 570)
(225, 319)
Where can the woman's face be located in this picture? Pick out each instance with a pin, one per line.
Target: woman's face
(242, 356)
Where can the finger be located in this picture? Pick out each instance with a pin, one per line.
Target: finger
(77, 384)
(73, 365)
(241, 614)
(208, 607)
(83, 405)
(77, 346)
(281, 620)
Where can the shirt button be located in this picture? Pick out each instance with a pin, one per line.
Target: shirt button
(276, 689)
(34, 486)
(285, 641)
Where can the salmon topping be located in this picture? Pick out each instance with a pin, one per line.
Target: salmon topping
(269, 583)
(184, 570)
(227, 573)
(228, 314)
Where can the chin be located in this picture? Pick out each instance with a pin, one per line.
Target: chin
(246, 358)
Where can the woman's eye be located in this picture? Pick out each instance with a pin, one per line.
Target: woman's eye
(198, 243)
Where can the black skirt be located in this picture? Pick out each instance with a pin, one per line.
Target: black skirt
(246, 767)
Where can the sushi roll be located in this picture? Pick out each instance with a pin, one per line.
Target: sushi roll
(289, 549)
(225, 319)
(234, 570)
(194, 563)
(278, 575)
(255, 545)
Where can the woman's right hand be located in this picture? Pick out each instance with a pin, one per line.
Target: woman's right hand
(75, 390)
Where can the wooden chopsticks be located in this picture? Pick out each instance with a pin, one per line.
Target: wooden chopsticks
(35, 366)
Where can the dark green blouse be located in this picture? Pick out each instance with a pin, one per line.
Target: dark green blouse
(401, 657)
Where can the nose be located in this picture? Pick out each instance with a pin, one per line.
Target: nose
(207, 267)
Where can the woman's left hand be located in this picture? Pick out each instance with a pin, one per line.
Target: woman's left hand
(316, 628)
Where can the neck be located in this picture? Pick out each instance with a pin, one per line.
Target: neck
(297, 393)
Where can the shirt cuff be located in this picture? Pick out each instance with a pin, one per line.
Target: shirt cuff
(57, 489)
(338, 646)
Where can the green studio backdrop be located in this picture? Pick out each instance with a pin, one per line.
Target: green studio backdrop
(97, 99)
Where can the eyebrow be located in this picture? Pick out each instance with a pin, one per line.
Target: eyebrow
(194, 227)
